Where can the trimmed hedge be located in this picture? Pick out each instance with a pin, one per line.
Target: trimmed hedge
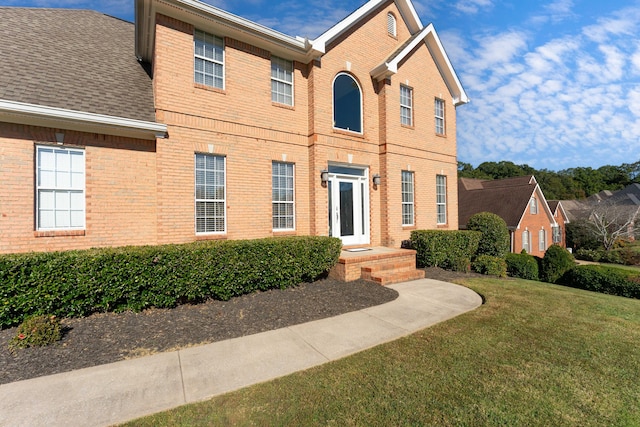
(606, 280)
(495, 235)
(490, 265)
(522, 266)
(449, 249)
(78, 283)
(556, 261)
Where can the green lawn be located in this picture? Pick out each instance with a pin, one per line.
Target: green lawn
(533, 354)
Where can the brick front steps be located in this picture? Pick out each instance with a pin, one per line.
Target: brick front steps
(377, 264)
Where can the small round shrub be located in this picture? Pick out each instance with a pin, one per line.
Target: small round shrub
(37, 331)
(556, 261)
(490, 265)
(495, 235)
(523, 266)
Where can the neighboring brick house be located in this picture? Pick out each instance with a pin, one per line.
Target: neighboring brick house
(519, 201)
(562, 219)
(255, 133)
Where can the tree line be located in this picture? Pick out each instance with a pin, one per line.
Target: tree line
(566, 184)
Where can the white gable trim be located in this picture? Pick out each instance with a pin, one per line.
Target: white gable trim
(407, 11)
(429, 36)
(60, 118)
(541, 201)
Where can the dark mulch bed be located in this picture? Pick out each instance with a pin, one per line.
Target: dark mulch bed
(108, 337)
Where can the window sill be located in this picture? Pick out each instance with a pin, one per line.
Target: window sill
(209, 88)
(285, 232)
(442, 225)
(285, 106)
(412, 127)
(409, 227)
(58, 233)
(441, 135)
(348, 133)
(211, 237)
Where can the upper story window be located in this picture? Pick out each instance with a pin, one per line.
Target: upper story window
(533, 206)
(210, 194)
(439, 113)
(347, 103)
(406, 105)
(60, 175)
(391, 24)
(209, 59)
(281, 81)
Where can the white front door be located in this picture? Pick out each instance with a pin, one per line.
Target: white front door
(349, 204)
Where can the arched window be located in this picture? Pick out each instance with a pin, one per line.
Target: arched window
(391, 24)
(347, 103)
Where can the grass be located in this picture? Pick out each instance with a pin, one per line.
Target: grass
(533, 354)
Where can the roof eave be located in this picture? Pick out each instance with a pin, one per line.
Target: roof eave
(212, 19)
(59, 118)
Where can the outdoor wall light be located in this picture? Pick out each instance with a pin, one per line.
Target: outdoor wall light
(376, 180)
(324, 176)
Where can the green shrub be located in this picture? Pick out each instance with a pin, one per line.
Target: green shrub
(523, 266)
(449, 249)
(603, 279)
(556, 261)
(594, 255)
(78, 283)
(491, 265)
(37, 331)
(495, 235)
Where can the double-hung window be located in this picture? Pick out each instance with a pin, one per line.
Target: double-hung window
(441, 199)
(210, 194)
(408, 217)
(209, 59)
(526, 241)
(557, 234)
(533, 206)
(281, 81)
(542, 240)
(439, 114)
(60, 188)
(406, 105)
(283, 196)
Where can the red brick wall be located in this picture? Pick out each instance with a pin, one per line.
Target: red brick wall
(534, 223)
(120, 191)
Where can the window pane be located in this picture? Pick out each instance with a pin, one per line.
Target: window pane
(347, 104)
(209, 194)
(283, 196)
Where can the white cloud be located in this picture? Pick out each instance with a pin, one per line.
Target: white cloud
(471, 7)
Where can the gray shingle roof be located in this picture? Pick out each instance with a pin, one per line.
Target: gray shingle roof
(73, 59)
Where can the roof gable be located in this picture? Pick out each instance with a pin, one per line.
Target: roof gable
(508, 198)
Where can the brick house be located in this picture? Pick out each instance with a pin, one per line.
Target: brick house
(220, 128)
(532, 224)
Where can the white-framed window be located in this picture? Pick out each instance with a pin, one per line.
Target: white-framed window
(406, 105)
(60, 187)
(526, 241)
(210, 194)
(542, 240)
(408, 217)
(391, 25)
(441, 199)
(347, 103)
(533, 206)
(281, 81)
(557, 234)
(439, 114)
(283, 196)
(209, 59)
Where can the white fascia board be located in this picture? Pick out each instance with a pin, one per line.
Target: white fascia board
(212, 19)
(405, 7)
(60, 118)
(429, 36)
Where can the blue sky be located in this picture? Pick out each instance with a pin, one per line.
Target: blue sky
(554, 84)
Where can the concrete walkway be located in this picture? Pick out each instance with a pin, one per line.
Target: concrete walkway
(121, 391)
